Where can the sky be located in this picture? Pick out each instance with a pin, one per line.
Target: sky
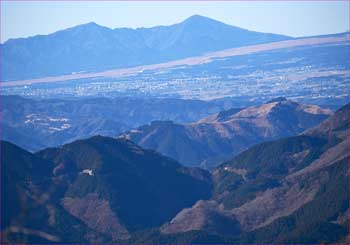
(292, 18)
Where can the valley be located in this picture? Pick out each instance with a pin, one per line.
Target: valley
(317, 72)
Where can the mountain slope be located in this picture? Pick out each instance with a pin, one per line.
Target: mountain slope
(293, 190)
(91, 47)
(219, 137)
(105, 188)
(29, 206)
(142, 188)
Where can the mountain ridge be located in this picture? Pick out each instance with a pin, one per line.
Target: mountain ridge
(91, 47)
(192, 18)
(220, 136)
(59, 121)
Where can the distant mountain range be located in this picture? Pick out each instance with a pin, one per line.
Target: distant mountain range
(194, 132)
(91, 47)
(225, 134)
(36, 124)
(105, 190)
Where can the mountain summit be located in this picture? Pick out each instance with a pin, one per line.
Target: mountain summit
(91, 47)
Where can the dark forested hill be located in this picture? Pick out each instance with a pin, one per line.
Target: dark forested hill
(99, 189)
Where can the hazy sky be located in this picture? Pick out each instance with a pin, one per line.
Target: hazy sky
(294, 18)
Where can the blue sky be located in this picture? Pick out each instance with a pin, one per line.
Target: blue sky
(294, 18)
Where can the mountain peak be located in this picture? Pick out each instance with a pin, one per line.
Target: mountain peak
(88, 26)
(91, 23)
(199, 19)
